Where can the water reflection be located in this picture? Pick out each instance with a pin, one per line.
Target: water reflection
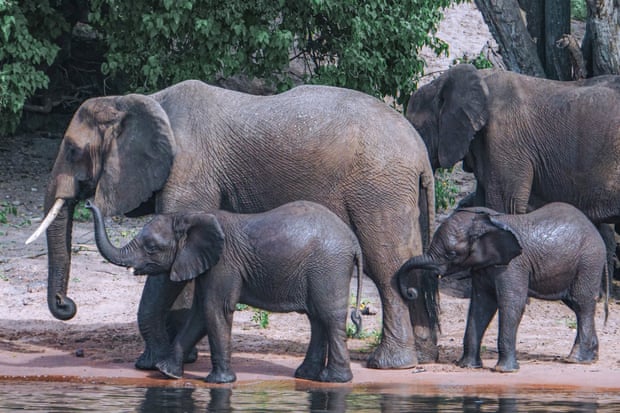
(49, 397)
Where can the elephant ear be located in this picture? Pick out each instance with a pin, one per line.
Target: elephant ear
(137, 155)
(494, 243)
(200, 245)
(462, 112)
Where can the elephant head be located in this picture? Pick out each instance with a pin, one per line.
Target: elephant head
(182, 245)
(119, 149)
(470, 239)
(448, 112)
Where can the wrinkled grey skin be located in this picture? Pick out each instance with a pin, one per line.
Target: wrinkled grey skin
(553, 253)
(197, 147)
(527, 140)
(297, 257)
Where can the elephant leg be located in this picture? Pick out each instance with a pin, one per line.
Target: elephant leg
(384, 252)
(220, 295)
(510, 194)
(585, 348)
(158, 296)
(512, 302)
(185, 341)
(398, 345)
(482, 308)
(314, 362)
(609, 237)
(338, 367)
(219, 326)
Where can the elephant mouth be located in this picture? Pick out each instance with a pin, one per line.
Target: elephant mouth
(456, 273)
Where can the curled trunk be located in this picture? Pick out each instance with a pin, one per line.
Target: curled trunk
(421, 262)
(59, 261)
(117, 256)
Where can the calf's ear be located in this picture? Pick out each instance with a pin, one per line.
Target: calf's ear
(200, 245)
(497, 244)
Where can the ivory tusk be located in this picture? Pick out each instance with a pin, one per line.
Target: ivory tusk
(51, 215)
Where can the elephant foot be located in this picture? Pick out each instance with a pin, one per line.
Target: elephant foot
(501, 368)
(583, 354)
(509, 365)
(470, 362)
(309, 371)
(589, 358)
(221, 377)
(146, 361)
(336, 376)
(392, 357)
(170, 368)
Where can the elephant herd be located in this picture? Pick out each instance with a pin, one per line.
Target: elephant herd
(254, 168)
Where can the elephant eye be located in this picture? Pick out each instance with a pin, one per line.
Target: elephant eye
(450, 255)
(151, 248)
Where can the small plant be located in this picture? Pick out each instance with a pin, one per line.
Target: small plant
(241, 307)
(81, 213)
(3, 276)
(261, 317)
(445, 190)
(6, 210)
(480, 61)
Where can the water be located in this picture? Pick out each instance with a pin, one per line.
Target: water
(49, 397)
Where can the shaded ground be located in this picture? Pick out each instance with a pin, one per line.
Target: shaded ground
(102, 341)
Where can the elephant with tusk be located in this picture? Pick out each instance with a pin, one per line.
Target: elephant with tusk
(196, 147)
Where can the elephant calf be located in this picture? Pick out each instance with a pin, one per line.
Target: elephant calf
(297, 257)
(553, 253)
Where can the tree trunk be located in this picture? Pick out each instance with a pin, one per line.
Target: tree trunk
(557, 23)
(517, 48)
(601, 45)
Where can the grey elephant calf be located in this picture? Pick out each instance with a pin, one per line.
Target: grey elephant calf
(297, 257)
(553, 253)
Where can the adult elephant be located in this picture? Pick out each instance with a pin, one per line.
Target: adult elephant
(197, 147)
(527, 140)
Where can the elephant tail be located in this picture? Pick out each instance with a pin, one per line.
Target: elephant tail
(356, 315)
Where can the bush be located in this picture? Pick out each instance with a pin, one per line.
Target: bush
(370, 46)
(28, 31)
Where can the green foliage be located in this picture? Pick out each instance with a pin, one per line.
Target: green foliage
(28, 29)
(370, 46)
(445, 190)
(81, 213)
(7, 209)
(480, 61)
(261, 317)
(578, 10)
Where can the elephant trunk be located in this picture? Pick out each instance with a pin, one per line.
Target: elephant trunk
(117, 256)
(59, 260)
(422, 262)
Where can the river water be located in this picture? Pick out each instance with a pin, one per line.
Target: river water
(54, 397)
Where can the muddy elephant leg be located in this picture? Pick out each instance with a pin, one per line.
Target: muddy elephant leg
(384, 253)
(338, 369)
(482, 308)
(184, 343)
(511, 308)
(398, 345)
(585, 348)
(609, 237)
(158, 296)
(313, 363)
